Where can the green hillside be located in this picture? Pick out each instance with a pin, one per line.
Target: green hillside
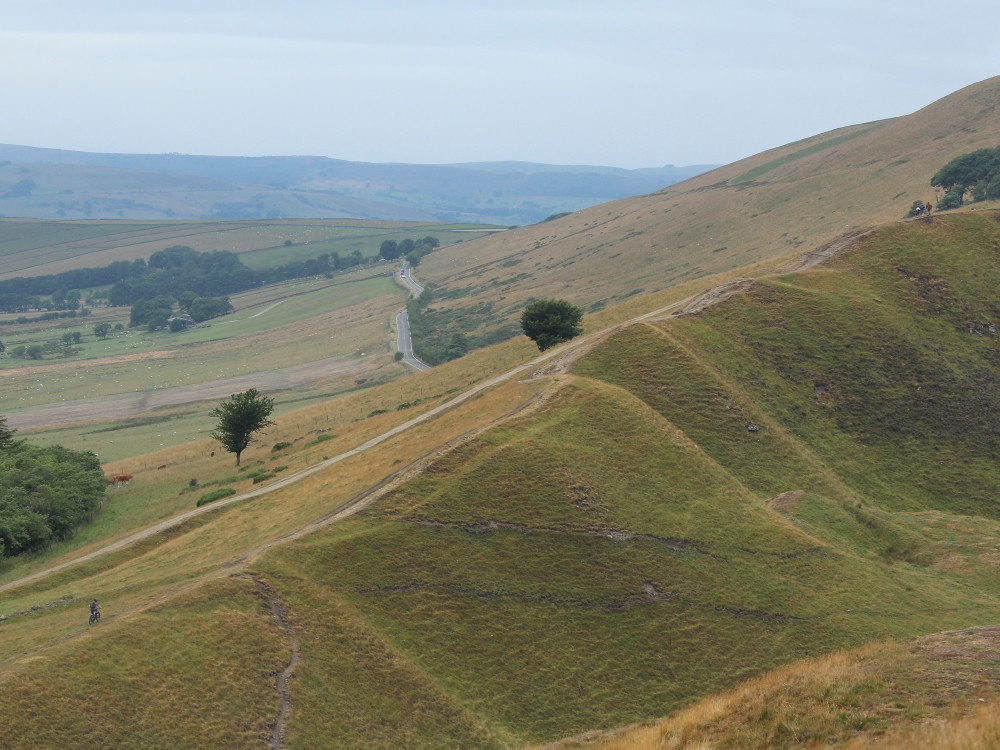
(619, 548)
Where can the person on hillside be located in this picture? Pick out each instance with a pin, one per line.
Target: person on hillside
(95, 611)
(927, 209)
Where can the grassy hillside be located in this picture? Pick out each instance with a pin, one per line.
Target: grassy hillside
(937, 691)
(731, 221)
(622, 545)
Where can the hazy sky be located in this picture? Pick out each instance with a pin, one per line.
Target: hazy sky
(626, 83)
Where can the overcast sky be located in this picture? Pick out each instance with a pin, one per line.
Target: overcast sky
(628, 83)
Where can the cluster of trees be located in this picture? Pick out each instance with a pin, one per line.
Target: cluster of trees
(45, 493)
(411, 250)
(80, 278)
(158, 312)
(214, 274)
(976, 173)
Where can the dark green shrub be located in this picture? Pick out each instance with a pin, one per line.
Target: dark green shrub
(218, 494)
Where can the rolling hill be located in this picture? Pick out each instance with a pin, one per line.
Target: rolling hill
(58, 184)
(687, 497)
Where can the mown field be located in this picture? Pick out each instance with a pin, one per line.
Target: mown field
(624, 544)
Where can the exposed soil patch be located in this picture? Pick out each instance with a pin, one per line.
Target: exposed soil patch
(831, 248)
(714, 295)
(786, 502)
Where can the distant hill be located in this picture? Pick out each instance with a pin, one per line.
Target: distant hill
(57, 184)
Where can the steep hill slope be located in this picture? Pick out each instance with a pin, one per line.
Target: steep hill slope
(807, 465)
(761, 210)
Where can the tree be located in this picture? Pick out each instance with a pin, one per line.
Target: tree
(548, 322)
(977, 172)
(7, 441)
(240, 416)
(389, 250)
(101, 330)
(206, 308)
(152, 313)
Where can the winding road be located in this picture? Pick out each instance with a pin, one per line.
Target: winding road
(403, 341)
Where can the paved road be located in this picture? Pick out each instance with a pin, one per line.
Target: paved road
(403, 342)
(406, 274)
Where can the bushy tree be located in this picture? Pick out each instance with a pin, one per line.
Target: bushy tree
(44, 493)
(152, 313)
(548, 322)
(7, 441)
(389, 250)
(240, 416)
(206, 308)
(977, 172)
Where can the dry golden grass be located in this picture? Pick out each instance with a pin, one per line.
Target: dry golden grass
(941, 691)
(234, 534)
(760, 210)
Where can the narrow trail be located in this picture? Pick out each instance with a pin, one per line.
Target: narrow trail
(279, 611)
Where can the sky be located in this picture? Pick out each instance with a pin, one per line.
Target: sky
(625, 83)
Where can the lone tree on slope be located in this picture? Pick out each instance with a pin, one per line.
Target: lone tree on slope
(548, 322)
(240, 416)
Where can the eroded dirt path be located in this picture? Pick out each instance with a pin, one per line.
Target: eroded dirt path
(279, 611)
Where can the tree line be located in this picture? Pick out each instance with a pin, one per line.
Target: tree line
(207, 274)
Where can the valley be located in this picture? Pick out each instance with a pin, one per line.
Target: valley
(773, 448)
